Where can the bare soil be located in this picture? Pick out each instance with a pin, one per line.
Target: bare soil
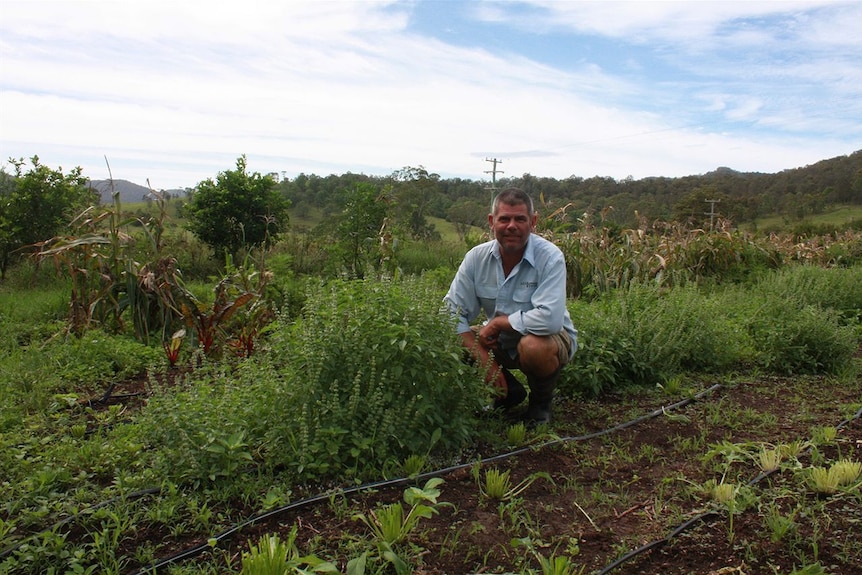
(614, 501)
(626, 501)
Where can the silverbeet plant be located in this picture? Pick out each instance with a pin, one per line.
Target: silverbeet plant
(841, 475)
(735, 498)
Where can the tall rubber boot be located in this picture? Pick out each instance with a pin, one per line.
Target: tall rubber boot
(541, 398)
(515, 393)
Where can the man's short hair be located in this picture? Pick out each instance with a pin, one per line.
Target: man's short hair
(512, 197)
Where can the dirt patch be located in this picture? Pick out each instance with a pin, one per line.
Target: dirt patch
(598, 500)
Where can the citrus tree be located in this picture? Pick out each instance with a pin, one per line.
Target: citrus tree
(237, 210)
(37, 204)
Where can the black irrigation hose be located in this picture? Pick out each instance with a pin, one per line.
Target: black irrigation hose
(198, 549)
(109, 393)
(698, 518)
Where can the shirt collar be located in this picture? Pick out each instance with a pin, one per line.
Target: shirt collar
(529, 250)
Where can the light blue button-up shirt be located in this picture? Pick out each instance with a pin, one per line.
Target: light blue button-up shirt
(533, 296)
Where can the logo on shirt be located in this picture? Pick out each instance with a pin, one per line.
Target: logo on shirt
(529, 285)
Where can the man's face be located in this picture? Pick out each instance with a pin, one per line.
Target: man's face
(512, 227)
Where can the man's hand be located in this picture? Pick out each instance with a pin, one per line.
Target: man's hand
(490, 332)
(482, 354)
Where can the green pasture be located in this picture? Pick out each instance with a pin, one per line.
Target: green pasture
(838, 217)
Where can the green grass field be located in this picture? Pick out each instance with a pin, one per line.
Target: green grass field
(836, 216)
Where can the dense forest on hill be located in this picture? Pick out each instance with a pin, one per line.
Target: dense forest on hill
(741, 196)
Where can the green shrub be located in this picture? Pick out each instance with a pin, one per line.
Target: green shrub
(376, 372)
(644, 335)
(802, 319)
(797, 320)
(598, 363)
(371, 373)
(795, 338)
(839, 289)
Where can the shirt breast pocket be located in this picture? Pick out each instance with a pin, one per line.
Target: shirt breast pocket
(487, 295)
(523, 296)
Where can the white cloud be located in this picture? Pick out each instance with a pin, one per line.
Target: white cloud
(175, 91)
(665, 21)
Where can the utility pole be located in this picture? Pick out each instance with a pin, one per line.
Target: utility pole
(494, 171)
(711, 213)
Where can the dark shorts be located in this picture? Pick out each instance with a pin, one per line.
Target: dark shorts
(562, 339)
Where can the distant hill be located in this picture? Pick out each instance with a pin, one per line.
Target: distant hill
(129, 191)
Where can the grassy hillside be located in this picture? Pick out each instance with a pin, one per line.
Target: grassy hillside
(838, 217)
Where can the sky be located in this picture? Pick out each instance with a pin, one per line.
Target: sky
(168, 93)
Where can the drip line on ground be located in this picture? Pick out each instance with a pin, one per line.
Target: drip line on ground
(212, 541)
(701, 518)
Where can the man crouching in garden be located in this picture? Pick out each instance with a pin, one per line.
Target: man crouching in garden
(519, 280)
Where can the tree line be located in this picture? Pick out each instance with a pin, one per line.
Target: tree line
(238, 209)
(742, 196)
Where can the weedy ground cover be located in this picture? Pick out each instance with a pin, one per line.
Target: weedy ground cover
(607, 496)
(365, 381)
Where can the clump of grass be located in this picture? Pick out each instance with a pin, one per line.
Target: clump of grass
(273, 555)
(497, 485)
(413, 465)
(778, 524)
(516, 434)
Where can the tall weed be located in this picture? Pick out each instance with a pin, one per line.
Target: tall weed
(794, 321)
(644, 335)
(601, 257)
(839, 289)
(792, 337)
